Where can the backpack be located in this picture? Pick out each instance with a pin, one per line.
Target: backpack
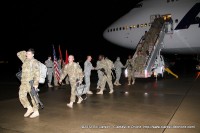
(43, 72)
(110, 64)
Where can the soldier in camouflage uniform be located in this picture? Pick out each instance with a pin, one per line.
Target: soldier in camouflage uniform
(130, 69)
(100, 75)
(74, 71)
(49, 64)
(87, 72)
(107, 77)
(118, 70)
(30, 71)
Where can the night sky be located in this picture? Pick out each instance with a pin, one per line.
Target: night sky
(74, 25)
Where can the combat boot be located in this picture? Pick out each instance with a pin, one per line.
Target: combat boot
(115, 83)
(70, 105)
(111, 91)
(35, 114)
(118, 83)
(100, 92)
(49, 85)
(98, 87)
(89, 92)
(80, 100)
(56, 85)
(129, 82)
(133, 82)
(29, 111)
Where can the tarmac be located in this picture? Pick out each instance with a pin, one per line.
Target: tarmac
(167, 105)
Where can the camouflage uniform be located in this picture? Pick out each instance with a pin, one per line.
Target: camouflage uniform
(100, 75)
(118, 70)
(87, 72)
(105, 78)
(30, 71)
(130, 69)
(67, 77)
(49, 64)
(74, 71)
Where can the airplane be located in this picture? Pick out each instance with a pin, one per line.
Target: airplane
(179, 33)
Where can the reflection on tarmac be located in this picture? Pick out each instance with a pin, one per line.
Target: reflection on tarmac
(169, 105)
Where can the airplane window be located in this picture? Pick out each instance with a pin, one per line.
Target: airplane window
(176, 21)
(123, 28)
(145, 24)
(130, 27)
(138, 26)
(141, 25)
(168, 1)
(139, 5)
(172, 0)
(116, 29)
(134, 26)
(110, 30)
(120, 28)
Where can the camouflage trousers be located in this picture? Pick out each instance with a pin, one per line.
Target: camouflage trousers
(107, 79)
(100, 75)
(24, 89)
(87, 81)
(131, 75)
(118, 75)
(73, 90)
(49, 77)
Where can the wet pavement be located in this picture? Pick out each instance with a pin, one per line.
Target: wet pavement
(167, 105)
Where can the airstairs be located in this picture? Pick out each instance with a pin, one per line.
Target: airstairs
(148, 49)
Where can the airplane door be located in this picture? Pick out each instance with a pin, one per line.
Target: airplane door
(169, 24)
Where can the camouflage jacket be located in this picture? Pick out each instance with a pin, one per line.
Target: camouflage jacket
(30, 69)
(73, 70)
(103, 64)
(88, 67)
(129, 64)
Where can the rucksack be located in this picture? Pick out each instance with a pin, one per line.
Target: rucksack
(43, 72)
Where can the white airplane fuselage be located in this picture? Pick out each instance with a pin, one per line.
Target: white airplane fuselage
(185, 39)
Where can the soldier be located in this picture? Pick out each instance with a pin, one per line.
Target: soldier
(30, 71)
(104, 66)
(100, 75)
(74, 71)
(129, 66)
(49, 64)
(118, 70)
(87, 72)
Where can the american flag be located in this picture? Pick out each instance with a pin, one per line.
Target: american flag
(55, 62)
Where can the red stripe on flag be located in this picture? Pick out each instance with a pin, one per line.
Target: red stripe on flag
(60, 52)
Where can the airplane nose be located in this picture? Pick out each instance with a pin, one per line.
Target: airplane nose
(113, 35)
(118, 36)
